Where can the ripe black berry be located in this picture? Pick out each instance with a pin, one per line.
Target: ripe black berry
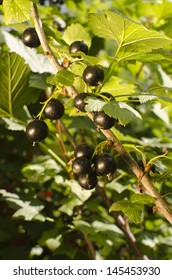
(60, 2)
(30, 38)
(105, 164)
(79, 101)
(41, 2)
(1, 1)
(103, 121)
(78, 46)
(83, 150)
(54, 109)
(107, 94)
(81, 165)
(36, 130)
(88, 181)
(93, 75)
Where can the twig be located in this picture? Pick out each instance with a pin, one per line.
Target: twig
(69, 136)
(90, 246)
(123, 225)
(162, 207)
(58, 130)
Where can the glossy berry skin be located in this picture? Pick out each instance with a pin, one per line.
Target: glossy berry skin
(81, 166)
(105, 164)
(41, 2)
(78, 46)
(103, 121)
(79, 101)
(36, 130)
(107, 94)
(30, 38)
(83, 150)
(93, 75)
(54, 109)
(88, 181)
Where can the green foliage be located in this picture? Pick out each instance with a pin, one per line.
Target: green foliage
(64, 77)
(13, 84)
(45, 214)
(131, 38)
(16, 10)
(134, 207)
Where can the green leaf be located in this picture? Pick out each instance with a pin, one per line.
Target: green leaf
(121, 111)
(118, 110)
(94, 104)
(142, 199)
(42, 169)
(115, 86)
(76, 32)
(64, 77)
(133, 211)
(13, 124)
(16, 10)
(90, 59)
(84, 227)
(131, 37)
(38, 80)
(15, 91)
(26, 209)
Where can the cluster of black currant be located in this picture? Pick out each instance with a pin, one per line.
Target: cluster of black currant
(37, 130)
(93, 76)
(87, 166)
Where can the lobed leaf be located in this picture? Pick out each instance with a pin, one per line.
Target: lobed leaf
(14, 83)
(134, 211)
(121, 111)
(132, 38)
(64, 77)
(115, 86)
(76, 32)
(16, 10)
(142, 199)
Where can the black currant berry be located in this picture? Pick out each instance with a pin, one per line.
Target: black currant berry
(41, 2)
(88, 181)
(36, 130)
(103, 121)
(79, 101)
(83, 150)
(60, 2)
(54, 109)
(81, 165)
(1, 1)
(107, 94)
(93, 75)
(30, 38)
(105, 164)
(78, 46)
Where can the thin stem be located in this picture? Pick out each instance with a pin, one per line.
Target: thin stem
(90, 246)
(123, 225)
(69, 136)
(58, 130)
(53, 154)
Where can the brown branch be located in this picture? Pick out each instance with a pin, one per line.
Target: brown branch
(69, 136)
(162, 207)
(123, 225)
(90, 246)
